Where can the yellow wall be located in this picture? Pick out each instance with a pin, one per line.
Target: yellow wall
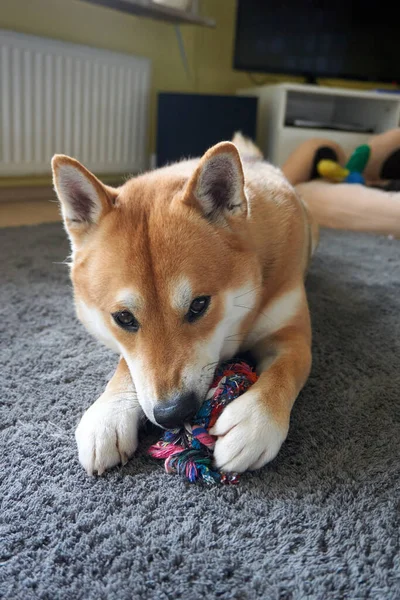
(83, 23)
(209, 51)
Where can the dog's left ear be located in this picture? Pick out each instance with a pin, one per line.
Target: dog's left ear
(217, 186)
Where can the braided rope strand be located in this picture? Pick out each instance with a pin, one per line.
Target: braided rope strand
(188, 451)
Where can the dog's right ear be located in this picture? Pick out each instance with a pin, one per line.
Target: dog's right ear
(84, 199)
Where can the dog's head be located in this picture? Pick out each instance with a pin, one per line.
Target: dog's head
(163, 272)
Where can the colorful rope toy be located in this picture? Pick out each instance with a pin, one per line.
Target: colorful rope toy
(352, 172)
(189, 451)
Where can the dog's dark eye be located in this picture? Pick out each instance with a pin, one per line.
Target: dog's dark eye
(126, 320)
(198, 308)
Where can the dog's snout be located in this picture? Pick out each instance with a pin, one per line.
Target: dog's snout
(177, 411)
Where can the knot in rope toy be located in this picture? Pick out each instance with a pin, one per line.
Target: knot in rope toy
(188, 451)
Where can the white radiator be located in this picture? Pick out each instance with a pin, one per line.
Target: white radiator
(63, 98)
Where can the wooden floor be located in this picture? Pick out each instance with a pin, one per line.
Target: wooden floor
(23, 205)
(28, 206)
(29, 212)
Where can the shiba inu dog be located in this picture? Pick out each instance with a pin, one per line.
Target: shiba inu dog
(181, 268)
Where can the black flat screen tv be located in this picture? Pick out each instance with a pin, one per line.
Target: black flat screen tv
(315, 38)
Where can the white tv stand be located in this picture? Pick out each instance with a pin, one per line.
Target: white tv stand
(289, 114)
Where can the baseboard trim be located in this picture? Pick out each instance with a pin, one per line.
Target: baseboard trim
(19, 194)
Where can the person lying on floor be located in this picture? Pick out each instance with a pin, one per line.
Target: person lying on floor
(371, 207)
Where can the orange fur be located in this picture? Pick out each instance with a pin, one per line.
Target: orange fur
(245, 240)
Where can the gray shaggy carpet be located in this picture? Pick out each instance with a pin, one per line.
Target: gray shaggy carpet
(321, 521)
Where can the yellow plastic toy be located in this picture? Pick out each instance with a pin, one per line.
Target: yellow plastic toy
(352, 172)
(332, 170)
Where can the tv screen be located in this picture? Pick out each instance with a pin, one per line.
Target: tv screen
(316, 38)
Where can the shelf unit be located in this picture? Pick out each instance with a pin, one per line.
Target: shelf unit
(152, 10)
(349, 116)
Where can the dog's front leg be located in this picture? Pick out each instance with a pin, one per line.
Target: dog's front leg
(253, 427)
(108, 431)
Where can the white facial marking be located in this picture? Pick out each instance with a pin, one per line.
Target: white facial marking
(129, 299)
(181, 294)
(239, 304)
(224, 342)
(143, 385)
(276, 315)
(95, 324)
(226, 339)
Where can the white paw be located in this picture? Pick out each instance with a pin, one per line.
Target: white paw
(247, 436)
(107, 433)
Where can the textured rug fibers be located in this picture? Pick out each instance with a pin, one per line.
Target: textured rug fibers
(321, 521)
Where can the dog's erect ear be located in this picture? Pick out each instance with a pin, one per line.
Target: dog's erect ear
(217, 185)
(84, 199)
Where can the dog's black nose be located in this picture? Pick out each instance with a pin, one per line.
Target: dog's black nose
(177, 411)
